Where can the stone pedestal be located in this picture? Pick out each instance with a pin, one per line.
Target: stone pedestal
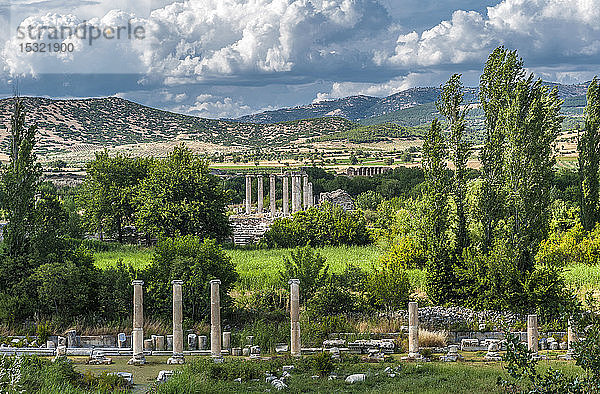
(532, 334)
(215, 319)
(192, 341)
(202, 342)
(148, 345)
(272, 197)
(159, 342)
(177, 357)
(248, 195)
(138, 324)
(295, 348)
(226, 340)
(72, 339)
(286, 199)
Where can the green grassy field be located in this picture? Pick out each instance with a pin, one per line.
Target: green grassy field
(258, 268)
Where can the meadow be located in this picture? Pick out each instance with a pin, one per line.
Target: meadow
(259, 268)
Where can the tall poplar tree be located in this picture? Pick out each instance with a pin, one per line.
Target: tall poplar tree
(589, 158)
(503, 71)
(451, 105)
(20, 179)
(440, 269)
(531, 122)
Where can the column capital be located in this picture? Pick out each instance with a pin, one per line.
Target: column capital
(137, 282)
(177, 282)
(294, 282)
(215, 281)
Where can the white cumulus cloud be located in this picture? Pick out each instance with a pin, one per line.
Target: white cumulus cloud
(544, 32)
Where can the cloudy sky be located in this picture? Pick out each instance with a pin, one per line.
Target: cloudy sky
(227, 58)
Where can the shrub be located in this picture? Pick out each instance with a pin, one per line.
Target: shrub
(307, 265)
(389, 287)
(352, 278)
(331, 300)
(405, 252)
(327, 224)
(323, 364)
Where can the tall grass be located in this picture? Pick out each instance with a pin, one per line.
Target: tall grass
(259, 268)
(582, 277)
(136, 256)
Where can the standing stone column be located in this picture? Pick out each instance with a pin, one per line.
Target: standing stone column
(295, 349)
(272, 206)
(305, 190)
(138, 324)
(310, 195)
(413, 329)
(295, 191)
(261, 197)
(532, 333)
(286, 190)
(177, 357)
(298, 192)
(215, 319)
(248, 194)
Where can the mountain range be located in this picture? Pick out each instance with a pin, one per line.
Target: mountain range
(364, 108)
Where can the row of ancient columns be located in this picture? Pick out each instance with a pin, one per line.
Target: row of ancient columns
(138, 357)
(366, 171)
(302, 193)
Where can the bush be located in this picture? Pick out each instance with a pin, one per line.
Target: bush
(331, 300)
(307, 265)
(327, 224)
(323, 364)
(405, 252)
(388, 287)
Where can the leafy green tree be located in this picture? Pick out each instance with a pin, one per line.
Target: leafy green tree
(369, 200)
(180, 196)
(307, 265)
(48, 242)
(194, 261)
(388, 287)
(327, 224)
(530, 122)
(589, 158)
(440, 275)
(19, 184)
(503, 70)
(451, 105)
(67, 289)
(107, 195)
